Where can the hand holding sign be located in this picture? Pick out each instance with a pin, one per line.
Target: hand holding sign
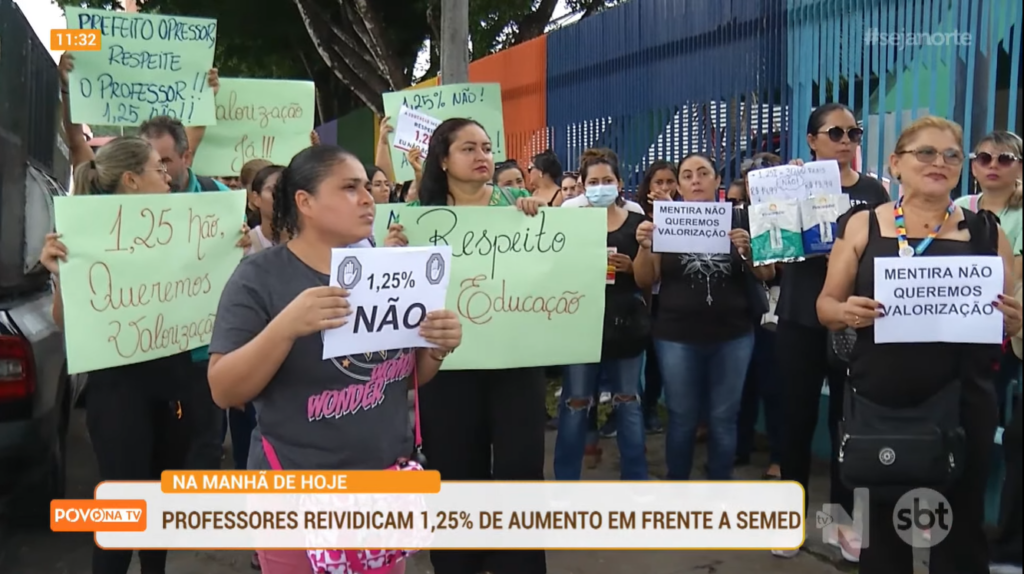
(645, 234)
(414, 130)
(1010, 307)
(442, 329)
(53, 253)
(314, 310)
(860, 312)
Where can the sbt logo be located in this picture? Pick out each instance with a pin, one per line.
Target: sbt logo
(94, 515)
(922, 518)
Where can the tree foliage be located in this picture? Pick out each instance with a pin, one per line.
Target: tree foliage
(355, 50)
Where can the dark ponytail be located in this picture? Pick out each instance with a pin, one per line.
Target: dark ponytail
(305, 172)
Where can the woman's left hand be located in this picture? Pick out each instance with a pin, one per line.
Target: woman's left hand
(442, 328)
(741, 241)
(621, 262)
(1011, 309)
(245, 242)
(529, 205)
(213, 80)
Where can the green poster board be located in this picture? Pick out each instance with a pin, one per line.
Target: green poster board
(480, 102)
(256, 119)
(148, 65)
(529, 290)
(144, 273)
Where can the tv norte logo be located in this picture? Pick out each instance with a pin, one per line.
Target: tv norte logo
(922, 518)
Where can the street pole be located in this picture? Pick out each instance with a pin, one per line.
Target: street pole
(454, 41)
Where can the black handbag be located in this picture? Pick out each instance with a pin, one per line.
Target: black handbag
(887, 449)
(840, 347)
(627, 326)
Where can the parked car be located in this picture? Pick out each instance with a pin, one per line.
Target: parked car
(35, 391)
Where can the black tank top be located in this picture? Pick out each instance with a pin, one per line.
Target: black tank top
(905, 374)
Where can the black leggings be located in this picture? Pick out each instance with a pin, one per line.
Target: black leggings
(803, 364)
(144, 419)
(486, 425)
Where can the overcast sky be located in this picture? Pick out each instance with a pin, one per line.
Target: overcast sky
(44, 16)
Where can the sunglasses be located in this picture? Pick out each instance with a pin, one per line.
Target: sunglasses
(984, 159)
(758, 163)
(929, 154)
(836, 133)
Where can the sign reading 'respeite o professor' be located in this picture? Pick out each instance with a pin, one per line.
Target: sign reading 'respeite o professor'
(144, 273)
(149, 65)
(528, 290)
(257, 119)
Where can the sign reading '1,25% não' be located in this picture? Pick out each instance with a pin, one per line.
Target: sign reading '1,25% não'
(391, 290)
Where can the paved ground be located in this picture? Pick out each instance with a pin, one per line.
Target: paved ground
(49, 553)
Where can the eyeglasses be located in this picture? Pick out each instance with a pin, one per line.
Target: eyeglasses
(836, 133)
(161, 169)
(984, 159)
(929, 154)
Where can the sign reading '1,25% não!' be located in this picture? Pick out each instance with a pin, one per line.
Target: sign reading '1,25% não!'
(391, 290)
(144, 273)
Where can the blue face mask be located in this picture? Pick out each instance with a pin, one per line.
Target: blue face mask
(602, 195)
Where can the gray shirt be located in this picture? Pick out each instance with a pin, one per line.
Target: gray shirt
(347, 413)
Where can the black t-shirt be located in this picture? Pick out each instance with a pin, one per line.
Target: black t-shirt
(802, 282)
(703, 298)
(623, 240)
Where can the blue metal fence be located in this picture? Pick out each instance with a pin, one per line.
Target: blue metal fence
(657, 79)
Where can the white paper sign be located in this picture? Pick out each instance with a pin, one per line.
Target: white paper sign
(692, 227)
(413, 129)
(794, 182)
(939, 299)
(391, 290)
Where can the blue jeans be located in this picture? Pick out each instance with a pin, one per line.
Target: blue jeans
(701, 379)
(580, 387)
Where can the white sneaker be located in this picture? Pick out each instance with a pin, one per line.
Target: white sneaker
(1005, 569)
(606, 397)
(558, 393)
(785, 553)
(848, 542)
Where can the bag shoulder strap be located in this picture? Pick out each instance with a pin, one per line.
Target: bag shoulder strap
(973, 202)
(207, 183)
(984, 228)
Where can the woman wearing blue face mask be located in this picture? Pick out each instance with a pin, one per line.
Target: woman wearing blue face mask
(704, 329)
(626, 333)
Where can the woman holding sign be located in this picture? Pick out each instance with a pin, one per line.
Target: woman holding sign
(267, 345)
(626, 334)
(704, 329)
(921, 414)
(132, 411)
(479, 425)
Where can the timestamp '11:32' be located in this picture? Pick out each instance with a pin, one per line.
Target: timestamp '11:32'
(76, 40)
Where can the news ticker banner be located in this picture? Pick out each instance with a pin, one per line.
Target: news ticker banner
(415, 510)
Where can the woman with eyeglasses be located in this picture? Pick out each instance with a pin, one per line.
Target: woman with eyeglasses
(936, 387)
(508, 175)
(803, 343)
(704, 329)
(546, 178)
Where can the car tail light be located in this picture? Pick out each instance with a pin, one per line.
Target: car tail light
(17, 371)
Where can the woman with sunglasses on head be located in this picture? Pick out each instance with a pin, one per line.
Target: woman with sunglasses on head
(479, 424)
(936, 387)
(761, 390)
(569, 180)
(508, 175)
(378, 185)
(626, 333)
(546, 178)
(660, 183)
(803, 343)
(703, 331)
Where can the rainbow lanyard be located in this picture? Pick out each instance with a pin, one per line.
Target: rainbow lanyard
(901, 231)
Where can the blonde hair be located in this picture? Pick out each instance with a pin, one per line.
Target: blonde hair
(249, 171)
(116, 158)
(1011, 142)
(929, 123)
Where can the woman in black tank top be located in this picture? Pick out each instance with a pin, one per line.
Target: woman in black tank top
(927, 162)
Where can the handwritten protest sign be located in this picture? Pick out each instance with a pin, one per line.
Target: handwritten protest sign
(149, 65)
(939, 299)
(391, 290)
(257, 119)
(413, 130)
(480, 102)
(794, 182)
(144, 273)
(529, 290)
(692, 227)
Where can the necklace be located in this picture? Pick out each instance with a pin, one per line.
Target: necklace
(901, 231)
